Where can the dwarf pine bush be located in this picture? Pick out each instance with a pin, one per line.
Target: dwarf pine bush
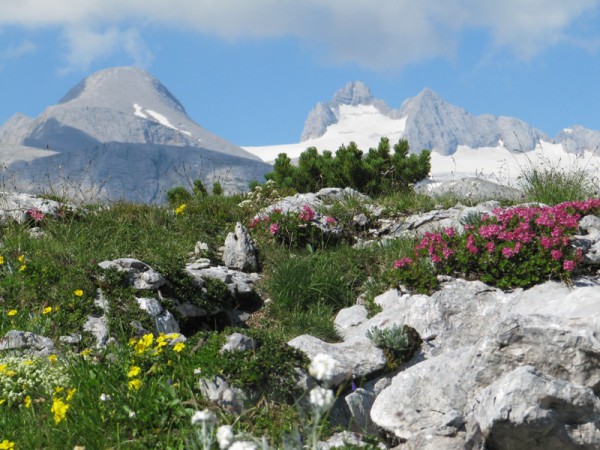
(376, 172)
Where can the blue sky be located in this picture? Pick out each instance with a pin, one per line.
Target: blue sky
(251, 70)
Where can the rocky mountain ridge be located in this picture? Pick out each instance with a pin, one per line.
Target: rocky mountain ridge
(434, 124)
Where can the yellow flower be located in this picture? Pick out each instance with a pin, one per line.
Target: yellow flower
(47, 310)
(52, 358)
(27, 402)
(22, 268)
(134, 371)
(86, 352)
(12, 312)
(1, 260)
(180, 209)
(178, 347)
(172, 336)
(21, 258)
(78, 292)
(59, 408)
(58, 389)
(2, 401)
(6, 445)
(144, 343)
(10, 373)
(70, 394)
(135, 384)
(3, 368)
(28, 362)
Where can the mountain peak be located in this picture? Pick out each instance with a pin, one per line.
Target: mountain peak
(119, 88)
(353, 93)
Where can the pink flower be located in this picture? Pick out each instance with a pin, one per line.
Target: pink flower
(490, 247)
(568, 265)
(330, 221)
(449, 232)
(556, 255)
(307, 214)
(274, 228)
(435, 258)
(447, 252)
(402, 262)
(35, 214)
(254, 222)
(471, 244)
(507, 252)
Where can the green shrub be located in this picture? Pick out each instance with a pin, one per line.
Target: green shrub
(178, 195)
(376, 173)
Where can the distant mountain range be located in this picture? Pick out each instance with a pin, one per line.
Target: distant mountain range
(463, 145)
(429, 122)
(120, 133)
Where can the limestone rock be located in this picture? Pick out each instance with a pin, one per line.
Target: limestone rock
(27, 343)
(164, 322)
(527, 409)
(470, 189)
(14, 206)
(141, 275)
(356, 357)
(238, 342)
(240, 251)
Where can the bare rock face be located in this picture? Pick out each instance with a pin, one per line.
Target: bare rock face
(240, 251)
(498, 370)
(528, 409)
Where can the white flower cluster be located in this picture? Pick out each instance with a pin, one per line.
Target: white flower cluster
(261, 196)
(225, 436)
(323, 368)
(321, 398)
(206, 416)
(17, 373)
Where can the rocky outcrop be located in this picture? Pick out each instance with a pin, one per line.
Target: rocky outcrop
(240, 251)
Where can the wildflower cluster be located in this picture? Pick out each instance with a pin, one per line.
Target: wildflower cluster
(10, 266)
(60, 403)
(149, 352)
(260, 197)
(293, 228)
(180, 210)
(516, 247)
(22, 379)
(35, 214)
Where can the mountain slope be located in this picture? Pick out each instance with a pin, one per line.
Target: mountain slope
(117, 110)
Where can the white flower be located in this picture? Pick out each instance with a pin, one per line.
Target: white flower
(104, 397)
(197, 371)
(132, 414)
(322, 367)
(322, 398)
(225, 436)
(203, 416)
(243, 445)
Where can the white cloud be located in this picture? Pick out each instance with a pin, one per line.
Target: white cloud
(87, 45)
(378, 34)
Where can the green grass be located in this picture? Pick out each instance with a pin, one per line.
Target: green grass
(552, 185)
